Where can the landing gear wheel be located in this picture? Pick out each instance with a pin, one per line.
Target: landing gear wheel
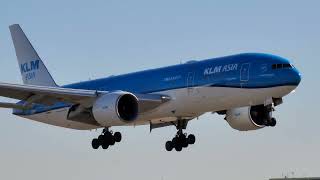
(95, 143)
(105, 145)
(101, 138)
(183, 141)
(106, 139)
(112, 140)
(178, 147)
(273, 122)
(185, 144)
(191, 139)
(117, 136)
(180, 140)
(169, 146)
(174, 141)
(107, 135)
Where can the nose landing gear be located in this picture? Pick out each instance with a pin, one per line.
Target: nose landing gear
(106, 139)
(272, 122)
(269, 120)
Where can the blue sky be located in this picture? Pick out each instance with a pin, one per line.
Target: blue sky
(81, 40)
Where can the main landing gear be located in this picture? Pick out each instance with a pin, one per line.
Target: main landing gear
(181, 140)
(106, 139)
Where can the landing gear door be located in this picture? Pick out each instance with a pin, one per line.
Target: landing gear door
(244, 73)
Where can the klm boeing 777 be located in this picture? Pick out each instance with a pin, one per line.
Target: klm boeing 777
(245, 88)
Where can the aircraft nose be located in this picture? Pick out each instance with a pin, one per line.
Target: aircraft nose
(295, 77)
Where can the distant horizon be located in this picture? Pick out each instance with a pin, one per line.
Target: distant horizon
(296, 178)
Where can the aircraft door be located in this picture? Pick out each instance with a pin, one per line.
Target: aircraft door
(190, 82)
(244, 72)
(190, 79)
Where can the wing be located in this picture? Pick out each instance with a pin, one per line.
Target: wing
(46, 95)
(50, 95)
(13, 105)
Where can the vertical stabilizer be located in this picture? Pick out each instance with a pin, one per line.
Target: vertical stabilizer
(32, 69)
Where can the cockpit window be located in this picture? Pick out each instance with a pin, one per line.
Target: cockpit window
(286, 65)
(281, 66)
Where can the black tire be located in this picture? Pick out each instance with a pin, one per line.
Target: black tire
(95, 143)
(178, 147)
(169, 146)
(191, 139)
(174, 141)
(273, 122)
(105, 145)
(117, 136)
(182, 136)
(101, 138)
(107, 137)
(112, 141)
(185, 144)
(183, 141)
(107, 134)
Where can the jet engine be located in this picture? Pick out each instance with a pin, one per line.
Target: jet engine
(114, 107)
(248, 118)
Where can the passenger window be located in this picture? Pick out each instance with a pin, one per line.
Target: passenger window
(274, 66)
(279, 66)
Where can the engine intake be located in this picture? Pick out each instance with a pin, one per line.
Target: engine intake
(248, 118)
(127, 107)
(115, 108)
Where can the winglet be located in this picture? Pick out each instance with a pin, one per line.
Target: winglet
(33, 70)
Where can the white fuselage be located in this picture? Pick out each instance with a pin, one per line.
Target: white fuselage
(185, 102)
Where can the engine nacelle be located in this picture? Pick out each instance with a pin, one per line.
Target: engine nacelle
(248, 118)
(114, 107)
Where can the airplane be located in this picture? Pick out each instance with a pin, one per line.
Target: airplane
(244, 88)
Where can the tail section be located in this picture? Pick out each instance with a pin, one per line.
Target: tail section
(33, 70)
